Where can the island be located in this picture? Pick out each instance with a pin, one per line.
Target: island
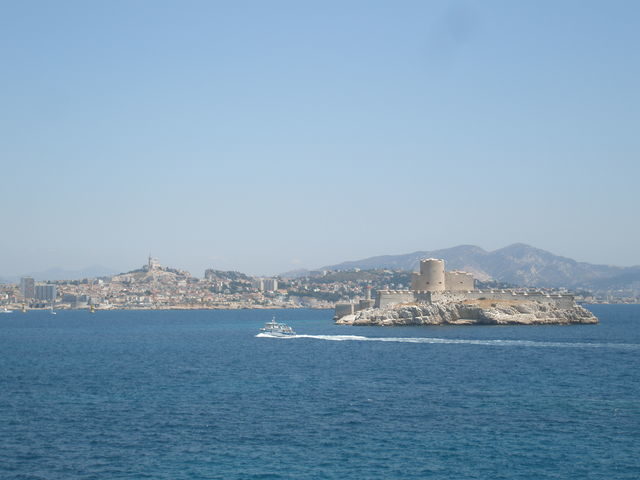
(438, 297)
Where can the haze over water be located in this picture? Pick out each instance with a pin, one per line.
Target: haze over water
(182, 395)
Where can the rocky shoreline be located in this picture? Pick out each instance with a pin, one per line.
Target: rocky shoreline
(522, 313)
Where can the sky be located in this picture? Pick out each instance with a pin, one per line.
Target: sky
(270, 136)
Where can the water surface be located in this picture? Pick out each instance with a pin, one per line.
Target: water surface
(196, 395)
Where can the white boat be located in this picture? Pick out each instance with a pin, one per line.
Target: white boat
(6, 310)
(275, 329)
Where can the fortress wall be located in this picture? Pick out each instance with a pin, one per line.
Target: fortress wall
(366, 303)
(393, 297)
(447, 297)
(533, 296)
(562, 301)
(343, 309)
(387, 298)
(423, 297)
(458, 281)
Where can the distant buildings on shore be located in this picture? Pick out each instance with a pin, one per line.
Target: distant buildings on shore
(27, 287)
(46, 293)
(29, 290)
(157, 286)
(265, 284)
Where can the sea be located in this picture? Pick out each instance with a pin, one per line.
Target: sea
(198, 395)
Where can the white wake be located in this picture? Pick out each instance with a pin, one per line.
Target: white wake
(456, 341)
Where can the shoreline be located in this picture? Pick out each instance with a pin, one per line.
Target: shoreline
(173, 307)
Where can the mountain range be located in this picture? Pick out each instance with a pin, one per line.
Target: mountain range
(517, 264)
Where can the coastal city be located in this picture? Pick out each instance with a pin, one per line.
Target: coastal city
(154, 286)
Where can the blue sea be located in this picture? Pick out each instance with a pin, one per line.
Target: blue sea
(196, 395)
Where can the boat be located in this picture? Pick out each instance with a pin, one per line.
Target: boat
(275, 329)
(6, 310)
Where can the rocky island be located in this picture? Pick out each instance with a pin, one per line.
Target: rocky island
(468, 313)
(449, 298)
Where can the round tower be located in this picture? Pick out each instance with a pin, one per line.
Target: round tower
(431, 277)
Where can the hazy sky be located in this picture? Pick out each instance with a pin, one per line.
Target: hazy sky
(265, 136)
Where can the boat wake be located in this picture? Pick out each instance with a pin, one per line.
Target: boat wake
(271, 335)
(457, 341)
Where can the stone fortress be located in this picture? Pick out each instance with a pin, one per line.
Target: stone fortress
(433, 278)
(437, 296)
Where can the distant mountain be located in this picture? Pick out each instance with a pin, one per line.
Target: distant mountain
(58, 273)
(517, 264)
(301, 272)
